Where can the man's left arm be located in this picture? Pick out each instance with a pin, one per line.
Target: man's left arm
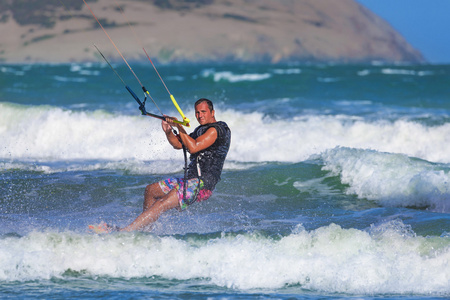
(202, 142)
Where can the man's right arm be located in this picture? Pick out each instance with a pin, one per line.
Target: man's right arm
(171, 137)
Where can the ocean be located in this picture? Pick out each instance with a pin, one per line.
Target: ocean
(337, 183)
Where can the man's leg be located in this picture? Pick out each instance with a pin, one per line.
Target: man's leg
(152, 214)
(152, 194)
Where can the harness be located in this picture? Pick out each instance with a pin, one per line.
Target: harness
(197, 190)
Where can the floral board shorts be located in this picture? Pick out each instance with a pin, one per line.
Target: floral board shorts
(178, 183)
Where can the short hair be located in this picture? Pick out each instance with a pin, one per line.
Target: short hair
(209, 102)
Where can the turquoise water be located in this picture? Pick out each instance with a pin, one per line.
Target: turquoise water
(336, 183)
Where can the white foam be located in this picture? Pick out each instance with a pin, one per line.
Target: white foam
(232, 77)
(131, 165)
(50, 133)
(84, 69)
(364, 72)
(391, 179)
(68, 79)
(389, 71)
(327, 79)
(12, 70)
(288, 71)
(387, 259)
(258, 138)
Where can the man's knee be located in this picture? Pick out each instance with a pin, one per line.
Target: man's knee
(153, 189)
(170, 200)
(152, 193)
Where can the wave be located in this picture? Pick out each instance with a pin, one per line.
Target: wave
(12, 71)
(132, 166)
(235, 77)
(391, 179)
(395, 71)
(384, 259)
(389, 71)
(67, 79)
(84, 69)
(47, 133)
(50, 133)
(232, 77)
(287, 71)
(260, 138)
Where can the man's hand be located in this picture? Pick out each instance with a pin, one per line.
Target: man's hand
(168, 124)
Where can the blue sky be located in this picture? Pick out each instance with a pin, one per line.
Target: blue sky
(424, 23)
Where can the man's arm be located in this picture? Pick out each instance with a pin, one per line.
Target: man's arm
(192, 145)
(173, 140)
(202, 142)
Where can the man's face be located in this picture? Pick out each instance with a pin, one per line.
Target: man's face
(203, 114)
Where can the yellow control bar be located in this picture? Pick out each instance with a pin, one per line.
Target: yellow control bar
(186, 121)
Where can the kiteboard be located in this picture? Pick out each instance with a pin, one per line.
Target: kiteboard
(103, 228)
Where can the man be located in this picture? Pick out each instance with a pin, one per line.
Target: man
(208, 146)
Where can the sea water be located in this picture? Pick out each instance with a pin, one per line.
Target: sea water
(337, 183)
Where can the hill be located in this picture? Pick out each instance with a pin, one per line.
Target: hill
(199, 30)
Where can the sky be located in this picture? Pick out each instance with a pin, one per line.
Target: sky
(425, 24)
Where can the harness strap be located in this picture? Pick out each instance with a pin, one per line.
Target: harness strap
(197, 190)
(185, 171)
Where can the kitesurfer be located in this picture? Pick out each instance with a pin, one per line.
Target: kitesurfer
(208, 146)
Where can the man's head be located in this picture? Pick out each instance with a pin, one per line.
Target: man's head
(204, 111)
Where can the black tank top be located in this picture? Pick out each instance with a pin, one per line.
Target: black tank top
(211, 159)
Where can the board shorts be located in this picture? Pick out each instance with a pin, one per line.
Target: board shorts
(178, 183)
